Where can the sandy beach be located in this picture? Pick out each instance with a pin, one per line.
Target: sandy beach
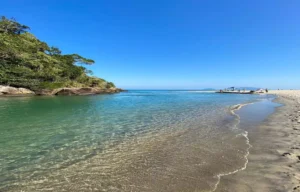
(274, 160)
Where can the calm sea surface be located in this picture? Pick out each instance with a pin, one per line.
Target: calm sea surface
(132, 141)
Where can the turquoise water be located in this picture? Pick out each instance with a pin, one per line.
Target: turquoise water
(179, 134)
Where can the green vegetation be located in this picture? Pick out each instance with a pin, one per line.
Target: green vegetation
(25, 61)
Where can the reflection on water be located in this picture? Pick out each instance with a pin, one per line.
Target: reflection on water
(134, 141)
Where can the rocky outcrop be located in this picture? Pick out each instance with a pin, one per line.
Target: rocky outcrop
(85, 91)
(75, 91)
(78, 91)
(8, 90)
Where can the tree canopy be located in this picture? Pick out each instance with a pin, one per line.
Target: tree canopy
(25, 61)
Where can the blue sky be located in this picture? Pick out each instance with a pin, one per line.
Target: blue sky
(174, 44)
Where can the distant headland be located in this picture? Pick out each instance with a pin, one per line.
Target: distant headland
(30, 66)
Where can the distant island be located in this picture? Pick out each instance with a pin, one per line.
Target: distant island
(30, 66)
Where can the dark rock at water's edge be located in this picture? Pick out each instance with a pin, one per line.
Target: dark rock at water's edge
(13, 91)
(85, 91)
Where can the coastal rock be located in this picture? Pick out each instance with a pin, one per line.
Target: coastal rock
(8, 90)
(85, 91)
(74, 91)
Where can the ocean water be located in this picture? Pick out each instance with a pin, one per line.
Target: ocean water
(132, 141)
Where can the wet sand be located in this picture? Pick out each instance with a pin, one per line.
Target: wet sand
(274, 160)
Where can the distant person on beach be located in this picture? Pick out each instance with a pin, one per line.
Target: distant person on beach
(266, 90)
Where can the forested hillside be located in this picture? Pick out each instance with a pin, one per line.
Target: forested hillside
(26, 61)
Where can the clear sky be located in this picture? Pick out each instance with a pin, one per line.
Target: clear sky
(174, 44)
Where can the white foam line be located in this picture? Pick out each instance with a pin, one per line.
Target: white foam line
(245, 134)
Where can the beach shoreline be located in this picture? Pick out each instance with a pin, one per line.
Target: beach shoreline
(262, 157)
(275, 154)
(189, 156)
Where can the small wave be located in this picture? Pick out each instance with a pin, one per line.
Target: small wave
(244, 134)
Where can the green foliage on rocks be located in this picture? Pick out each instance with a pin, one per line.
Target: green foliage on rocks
(25, 61)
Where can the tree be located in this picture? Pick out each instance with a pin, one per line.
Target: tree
(11, 26)
(81, 60)
(54, 51)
